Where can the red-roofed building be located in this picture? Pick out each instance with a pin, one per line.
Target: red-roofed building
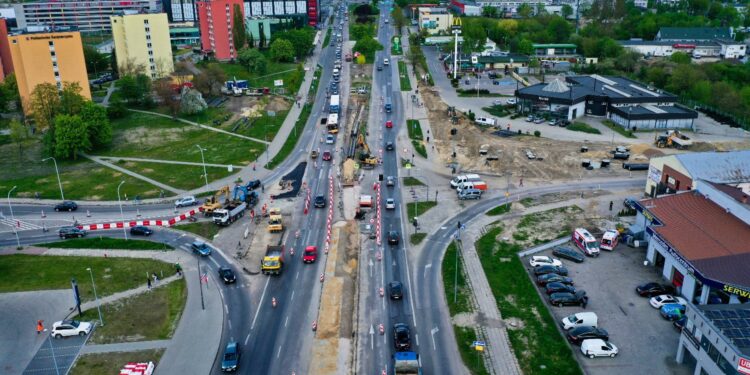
(216, 19)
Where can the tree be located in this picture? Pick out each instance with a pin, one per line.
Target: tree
(566, 11)
(210, 80)
(525, 10)
(44, 103)
(680, 58)
(368, 46)
(113, 64)
(489, 11)
(71, 137)
(239, 34)
(282, 50)
(95, 61)
(399, 21)
(19, 134)
(116, 108)
(363, 10)
(71, 100)
(301, 40)
(261, 36)
(98, 127)
(135, 89)
(8, 92)
(165, 93)
(559, 29)
(253, 61)
(192, 102)
(251, 41)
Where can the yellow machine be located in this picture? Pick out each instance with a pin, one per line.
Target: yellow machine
(215, 202)
(672, 138)
(275, 223)
(367, 160)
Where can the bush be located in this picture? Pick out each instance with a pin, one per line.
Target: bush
(471, 115)
(537, 133)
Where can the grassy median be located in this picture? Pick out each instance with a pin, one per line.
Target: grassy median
(106, 243)
(111, 363)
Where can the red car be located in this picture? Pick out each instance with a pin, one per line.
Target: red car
(326, 155)
(310, 254)
(389, 124)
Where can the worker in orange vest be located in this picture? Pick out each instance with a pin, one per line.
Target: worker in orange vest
(39, 326)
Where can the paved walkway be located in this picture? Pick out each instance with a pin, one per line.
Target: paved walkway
(128, 172)
(206, 127)
(164, 161)
(125, 347)
(110, 90)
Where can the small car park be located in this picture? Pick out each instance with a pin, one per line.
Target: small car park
(231, 359)
(320, 201)
(396, 290)
(401, 337)
(186, 201)
(543, 260)
(66, 206)
(593, 348)
(568, 253)
(201, 248)
(310, 255)
(227, 275)
(140, 230)
(67, 328)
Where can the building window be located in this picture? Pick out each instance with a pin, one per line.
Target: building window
(51, 43)
(57, 74)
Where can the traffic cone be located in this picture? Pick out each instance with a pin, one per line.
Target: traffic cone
(43, 214)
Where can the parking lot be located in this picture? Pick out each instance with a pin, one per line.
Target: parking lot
(647, 343)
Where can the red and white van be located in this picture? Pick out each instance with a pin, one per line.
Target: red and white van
(586, 242)
(609, 240)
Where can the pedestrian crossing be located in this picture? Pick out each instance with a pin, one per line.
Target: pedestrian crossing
(7, 225)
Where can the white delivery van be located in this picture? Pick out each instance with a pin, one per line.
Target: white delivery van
(480, 185)
(458, 180)
(487, 121)
(593, 348)
(579, 319)
(586, 242)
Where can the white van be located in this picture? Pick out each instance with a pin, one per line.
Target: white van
(487, 121)
(593, 348)
(385, 62)
(579, 319)
(480, 185)
(458, 180)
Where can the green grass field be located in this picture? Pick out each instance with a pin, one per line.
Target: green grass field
(186, 177)
(619, 129)
(404, 76)
(291, 142)
(327, 39)
(419, 147)
(412, 181)
(206, 229)
(582, 127)
(414, 129)
(92, 242)
(499, 210)
(419, 208)
(454, 284)
(497, 110)
(465, 336)
(291, 74)
(265, 127)
(112, 363)
(417, 238)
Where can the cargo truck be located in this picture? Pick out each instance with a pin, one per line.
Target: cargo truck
(407, 363)
(273, 261)
(230, 213)
(334, 104)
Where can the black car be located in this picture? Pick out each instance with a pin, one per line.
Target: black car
(320, 201)
(389, 146)
(569, 299)
(401, 336)
(547, 278)
(556, 287)
(66, 206)
(252, 185)
(140, 230)
(568, 253)
(653, 289)
(71, 232)
(227, 275)
(578, 334)
(393, 238)
(380, 67)
(396, 290)
(541, 270)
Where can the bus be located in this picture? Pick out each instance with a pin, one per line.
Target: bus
(388, 104)
(334, 105)
(586, 242)
(333, 123)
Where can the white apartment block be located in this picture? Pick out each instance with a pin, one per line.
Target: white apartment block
(86, 15)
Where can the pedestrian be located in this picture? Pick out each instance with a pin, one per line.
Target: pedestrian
(428, 139)
(178, 269)
(39, 326)
(298, 105)
(253, 166)
(262, 188)
(521, 182)
(148, 283)
(156, 278)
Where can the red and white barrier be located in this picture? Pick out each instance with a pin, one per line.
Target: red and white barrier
(133, 223)
(133, 368)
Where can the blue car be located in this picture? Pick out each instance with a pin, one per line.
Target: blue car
(201, 248)
(672, 311)
(231, 357)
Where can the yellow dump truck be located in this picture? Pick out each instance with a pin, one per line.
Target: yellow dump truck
(273, 261)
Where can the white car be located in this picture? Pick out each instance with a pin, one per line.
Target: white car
(390, 204)
(65, 328)
(543, 260)
(659, 301)
(329, 139)
(511, 101)
(593, 348)
(186, 201)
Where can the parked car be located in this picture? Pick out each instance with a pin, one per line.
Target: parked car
(578, 334)
(227, 275)
(659, 301)
(66, 206)
(547, 278)
(186, 201)
(231, 359)
(541, 270)
(71, 232)
(539, 121)
(66, 328)
(310, 255)
(543, 260)
(653, 289)
(568, 253)
(320, 201)
(140, 230)
(396, 290)
(390, 204)
(201, 248)
(569, 299)
(593, 348)
(556, 287)
(401, 336)
(393, 238)
(580, 319)
(672, 311)
(511, 101)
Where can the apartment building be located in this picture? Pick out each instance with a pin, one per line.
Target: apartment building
(6, 62)
(216, 19)
(142, 43)
(89, 15)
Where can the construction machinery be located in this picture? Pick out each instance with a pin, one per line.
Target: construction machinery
(275, 221)
(366, 159)
(241, 194)
(672, 138)
(215, 202)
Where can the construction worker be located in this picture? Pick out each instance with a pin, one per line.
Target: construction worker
(39, 326)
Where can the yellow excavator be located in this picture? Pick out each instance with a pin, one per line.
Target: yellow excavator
(215, 202)
(368, 161)
(672, 138)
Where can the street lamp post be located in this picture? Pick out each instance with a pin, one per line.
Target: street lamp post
(205, 174)
(58, 176)
(96, 298)
(122, 216)
(13, 218)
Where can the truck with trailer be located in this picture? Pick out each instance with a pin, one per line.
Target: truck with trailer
(230, 213)
(334, 105)
(273, 261)
(407, 363)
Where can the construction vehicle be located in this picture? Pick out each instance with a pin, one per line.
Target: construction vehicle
(407, 363)
(366, 159)
(275, 222)
(215, 202)
(241, 194)
(229, 214)
(273, 261)
(673, 138)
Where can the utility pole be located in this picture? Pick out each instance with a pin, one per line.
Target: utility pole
(456, 32)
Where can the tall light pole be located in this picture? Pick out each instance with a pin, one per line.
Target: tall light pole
(59, 183)
(205, 174)
(122, 216)
(456, 30)
(13, 218)
(96, 298)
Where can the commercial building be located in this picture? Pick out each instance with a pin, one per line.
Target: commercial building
(717, 42)
(257, 25)
(435, 20)
(681, 172)
(89, 15)
(625, 102)
(184, 36)
(466, 7)
(6, 62)
(55, 58)
(142, 43)
(179, 11)
(300, 11)
(216, 20)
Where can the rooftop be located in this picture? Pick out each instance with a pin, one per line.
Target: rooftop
(734, 192)
(733, 320)
(713, 240)
(722, 167)
(611, 86)
(694, 33)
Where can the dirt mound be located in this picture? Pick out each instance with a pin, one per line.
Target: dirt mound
(277, 103)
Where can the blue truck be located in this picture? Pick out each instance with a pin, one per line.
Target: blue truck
(407, 363)
(388, 104)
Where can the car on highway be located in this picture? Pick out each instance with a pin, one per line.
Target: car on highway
(543, 260)
(320, 201)
(201, 248)
(547, 278)
(396, 290)
(140, 230)
(227, 275)
(556, 287)
(390, 204)
(578, 334)
(330, 139)
(393, 238)
(389, 124)
(231, 359)
(593, 348)
(569, 299)
(653, 289)
(568, 253)
(310, 255)
(541, 270)
(66, 206)
(390, 181)
(186, 201)
(71, 232)
(327, 155)
(66, 328)
(389, 146)
(659, 301)
(401, 337)
(380, 67)
(672, 311)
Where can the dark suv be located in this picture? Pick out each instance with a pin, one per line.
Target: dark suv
(569, 299)
(66, 206)
(396, 290)
(401, 337)
(71, 232)
(578, 334)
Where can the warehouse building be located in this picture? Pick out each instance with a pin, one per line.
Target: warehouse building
(717, 42)
(681, 172)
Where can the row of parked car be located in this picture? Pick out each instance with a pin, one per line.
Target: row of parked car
(553, 276)
(663, 298)
(554, 122)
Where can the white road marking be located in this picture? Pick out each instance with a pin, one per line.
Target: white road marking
(286, 321)
(427, 267)
(278, 353)
(214, 261)
(297, 277)
(416, 338)
(432, 333)
(292, 299)
(230, 323)
(262, 297)
(226, 308)
(247, 338)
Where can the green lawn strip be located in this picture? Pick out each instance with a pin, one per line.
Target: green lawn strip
(472, 358)
(454, 283)
(291, 141)
(404, 76)
(112, 363)
(208, 116)
(499, 210)
(133, 120)
(291, 74)
(264, 127)
(205, 229)
(186, 177)
(497, 110)
(414, 129)
(413, 181)
(539, 347)
(327, 39)
(419, 208)
(21, 272)
(419, 148)
(417, 238)
(582, 127)
(395, 51)
(107, 243)
(624, 132)
(315, 81)
(152, 315)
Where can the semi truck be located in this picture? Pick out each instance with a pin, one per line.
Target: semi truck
(407, 363)
(273, 261)
(334, 106)
(230, 213)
